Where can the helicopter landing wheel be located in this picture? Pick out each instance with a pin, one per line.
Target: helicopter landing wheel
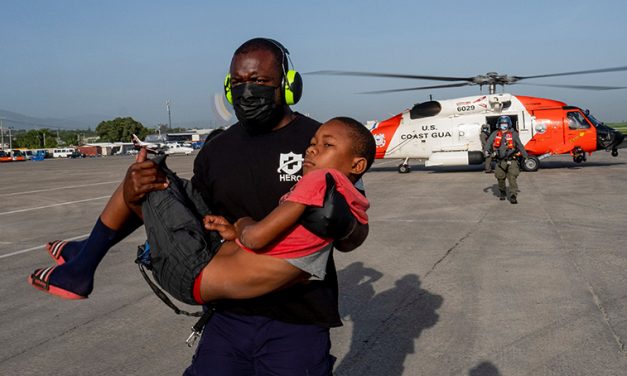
(578, 155)
(403, 168)
(614, 153)
(531, 164)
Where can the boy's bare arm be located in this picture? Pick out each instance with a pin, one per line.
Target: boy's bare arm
(256, 235)
(220, 224)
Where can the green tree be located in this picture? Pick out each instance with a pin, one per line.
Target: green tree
(28, 139)
(120, 129)
(69, 137)
(34, 139)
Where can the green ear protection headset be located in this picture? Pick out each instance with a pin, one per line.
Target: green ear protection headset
(292, 82)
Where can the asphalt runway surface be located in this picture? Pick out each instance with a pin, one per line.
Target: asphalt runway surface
(451, 281)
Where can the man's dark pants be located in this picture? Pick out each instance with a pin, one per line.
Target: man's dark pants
(234, 345)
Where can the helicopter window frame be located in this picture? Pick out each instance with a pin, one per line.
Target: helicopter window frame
(425, 109)
(576, 120)
(492, 122)
(593, 120)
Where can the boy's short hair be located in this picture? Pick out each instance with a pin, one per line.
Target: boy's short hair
(363, 144)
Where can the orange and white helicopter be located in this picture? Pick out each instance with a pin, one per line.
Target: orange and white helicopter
(447, 132)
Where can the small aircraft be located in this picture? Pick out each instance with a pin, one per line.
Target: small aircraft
(447, 132)
(176, 148)
(150, 147)
(162, 148)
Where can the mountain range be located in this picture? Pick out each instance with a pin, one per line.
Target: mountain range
(21, 121)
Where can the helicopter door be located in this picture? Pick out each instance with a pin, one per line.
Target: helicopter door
(464, 136)
(491, 121)
(578, 132)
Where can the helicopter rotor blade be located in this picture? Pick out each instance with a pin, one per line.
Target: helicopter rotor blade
(604, 70)
(415, 88)
(584, 87)
(490, 79)
(389, 75)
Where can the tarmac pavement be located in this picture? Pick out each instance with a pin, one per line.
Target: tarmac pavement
(451, 281)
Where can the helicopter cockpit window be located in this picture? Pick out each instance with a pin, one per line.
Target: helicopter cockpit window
(426, 109)
(576, 120)
(594, 120)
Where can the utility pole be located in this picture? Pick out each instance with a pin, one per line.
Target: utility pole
(167, 106)
(10, 139)
(2, 132)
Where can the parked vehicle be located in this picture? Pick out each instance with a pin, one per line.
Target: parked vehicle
(18, 155)
(26, 153)
(39, 155)
(62, 153)
(5, 157)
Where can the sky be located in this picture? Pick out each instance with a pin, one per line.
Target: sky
(90, 58)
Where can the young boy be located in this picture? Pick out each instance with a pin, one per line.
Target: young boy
(341, 149)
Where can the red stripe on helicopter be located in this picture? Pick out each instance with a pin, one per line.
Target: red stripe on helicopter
(383, 133)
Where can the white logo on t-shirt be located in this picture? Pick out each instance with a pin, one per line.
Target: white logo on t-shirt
(289, 164)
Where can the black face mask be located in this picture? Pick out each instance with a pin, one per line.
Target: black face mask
(255, 107)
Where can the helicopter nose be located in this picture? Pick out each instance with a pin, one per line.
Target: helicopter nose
(619, 138)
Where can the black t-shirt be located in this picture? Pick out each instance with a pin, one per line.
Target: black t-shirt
(242, 175)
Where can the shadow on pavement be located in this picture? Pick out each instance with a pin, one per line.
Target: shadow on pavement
(385, 325)
(484, 369)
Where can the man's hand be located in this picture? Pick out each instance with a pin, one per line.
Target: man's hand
(334, 219)
(142, 177)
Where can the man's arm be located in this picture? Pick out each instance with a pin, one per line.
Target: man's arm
(237, 274)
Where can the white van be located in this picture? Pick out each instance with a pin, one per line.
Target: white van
(62, 153)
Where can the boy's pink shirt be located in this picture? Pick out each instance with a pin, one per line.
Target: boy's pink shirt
(310, 191)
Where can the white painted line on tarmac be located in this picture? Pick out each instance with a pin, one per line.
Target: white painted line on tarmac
(54, 205)
(74, 186)
(59, 188)
(39, 247)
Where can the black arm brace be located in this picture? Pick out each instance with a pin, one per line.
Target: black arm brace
(334, 219)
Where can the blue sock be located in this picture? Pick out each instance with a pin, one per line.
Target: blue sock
(72, 248)
(77, 275)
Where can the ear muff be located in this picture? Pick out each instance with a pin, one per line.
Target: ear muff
(227, 88)
(293, 87)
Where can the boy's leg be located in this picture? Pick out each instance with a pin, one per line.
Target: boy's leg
(237, 274)
(115, 216)
(76, 275)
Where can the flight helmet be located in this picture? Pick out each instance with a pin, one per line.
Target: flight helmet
(504, 123)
